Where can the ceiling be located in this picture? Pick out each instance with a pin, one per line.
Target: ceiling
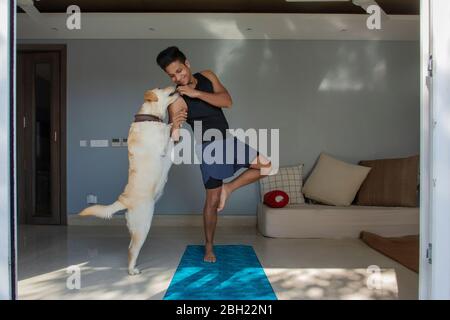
(218, 26)
(391, 7)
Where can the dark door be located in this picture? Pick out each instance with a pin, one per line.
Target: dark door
(38, 137)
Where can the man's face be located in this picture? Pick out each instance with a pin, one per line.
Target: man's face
(179, 73)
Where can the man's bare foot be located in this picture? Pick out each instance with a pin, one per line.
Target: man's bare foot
(224, 194)
(209, 254)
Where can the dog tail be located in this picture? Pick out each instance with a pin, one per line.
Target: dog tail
(105, 212)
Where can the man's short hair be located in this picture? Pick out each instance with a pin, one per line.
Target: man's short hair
(169, 55)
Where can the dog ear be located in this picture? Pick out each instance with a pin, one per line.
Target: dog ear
(150, 96)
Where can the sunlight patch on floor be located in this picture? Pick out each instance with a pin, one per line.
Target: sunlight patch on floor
(102, 283)
(333, 283)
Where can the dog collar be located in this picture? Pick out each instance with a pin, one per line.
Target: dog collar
(146, 117)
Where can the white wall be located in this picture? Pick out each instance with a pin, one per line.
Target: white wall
(354, 99)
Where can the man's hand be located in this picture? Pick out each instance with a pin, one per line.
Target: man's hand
(179, 118)
(188, 91)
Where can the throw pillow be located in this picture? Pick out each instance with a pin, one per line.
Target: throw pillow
(391, 182)
(276, 199)
(288, 179)
(334, 182)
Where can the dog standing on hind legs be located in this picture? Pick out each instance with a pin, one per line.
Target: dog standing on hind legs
(149, 154)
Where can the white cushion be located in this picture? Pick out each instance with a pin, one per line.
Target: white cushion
(321, 221)
(334, 182)
(289, 180)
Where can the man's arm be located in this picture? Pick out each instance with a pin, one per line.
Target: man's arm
(177, 115)
(220, 98)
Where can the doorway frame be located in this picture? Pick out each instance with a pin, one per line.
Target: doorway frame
(425, 151)
(434, 278)
(8, 246)
(62, 50)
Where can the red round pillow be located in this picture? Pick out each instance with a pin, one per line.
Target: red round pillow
(276, 199)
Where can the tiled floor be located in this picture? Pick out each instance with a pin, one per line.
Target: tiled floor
(296, 268)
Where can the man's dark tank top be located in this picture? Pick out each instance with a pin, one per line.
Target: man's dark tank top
(199, 110)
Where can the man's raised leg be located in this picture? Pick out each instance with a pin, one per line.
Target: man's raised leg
(258, 169)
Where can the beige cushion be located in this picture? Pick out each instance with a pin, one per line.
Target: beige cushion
(322, 221)
(289, 180)
(334, 182)
(391, 182)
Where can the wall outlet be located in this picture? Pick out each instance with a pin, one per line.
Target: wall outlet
(124, 142)
(99, 143)
(115, 142)
(91, 199)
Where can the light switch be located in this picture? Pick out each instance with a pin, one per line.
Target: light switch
(99, 143)
(83, 143)
(91, 199)
(115, 142)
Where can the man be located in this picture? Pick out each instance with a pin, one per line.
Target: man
(203, 98)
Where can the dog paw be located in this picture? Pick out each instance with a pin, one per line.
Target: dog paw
(134, 271)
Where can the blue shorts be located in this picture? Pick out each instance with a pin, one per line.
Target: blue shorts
(221, 159)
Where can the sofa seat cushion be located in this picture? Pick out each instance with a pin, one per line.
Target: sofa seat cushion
(323, 221)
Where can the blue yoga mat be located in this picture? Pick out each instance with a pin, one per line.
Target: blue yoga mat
(236, 275)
